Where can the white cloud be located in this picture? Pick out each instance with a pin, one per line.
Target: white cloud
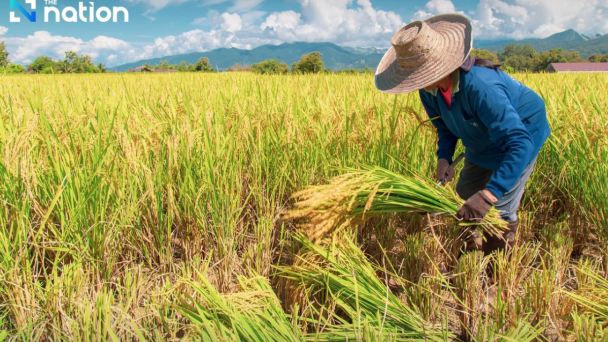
(282, 20)
(440, 6)
(197, 40)
(230, 22)
(435, 7)
(336, 21)
(519, 19)
(25, 50)
(3, 30)
(252, 17)
(421, 15)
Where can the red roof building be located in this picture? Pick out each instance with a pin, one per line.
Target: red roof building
(577, 67)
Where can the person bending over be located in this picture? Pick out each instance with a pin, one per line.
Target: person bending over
(501, 122)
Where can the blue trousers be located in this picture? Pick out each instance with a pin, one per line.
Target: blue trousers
(474, 178)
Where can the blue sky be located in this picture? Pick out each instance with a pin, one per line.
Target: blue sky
(158, 28)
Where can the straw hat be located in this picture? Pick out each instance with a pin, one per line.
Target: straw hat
(424, 52)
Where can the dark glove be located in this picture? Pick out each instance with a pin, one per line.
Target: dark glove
(444, 170)
(475, 208)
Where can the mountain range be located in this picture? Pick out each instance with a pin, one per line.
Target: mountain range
(340, 57)
(568, 40)
(334, 56)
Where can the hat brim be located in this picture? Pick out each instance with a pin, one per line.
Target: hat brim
(456, 31)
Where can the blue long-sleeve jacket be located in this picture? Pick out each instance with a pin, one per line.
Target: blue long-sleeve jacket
(502, 123)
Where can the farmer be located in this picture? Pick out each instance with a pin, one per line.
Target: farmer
(501, 123)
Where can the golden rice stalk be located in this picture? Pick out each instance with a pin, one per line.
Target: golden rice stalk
(353, 197)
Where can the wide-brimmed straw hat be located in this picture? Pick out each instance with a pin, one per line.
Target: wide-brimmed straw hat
(424, 52)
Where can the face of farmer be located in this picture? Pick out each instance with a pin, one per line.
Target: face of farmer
(432, 86)
(444, 83)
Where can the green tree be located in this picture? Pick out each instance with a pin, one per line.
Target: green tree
(42, 63)
(270, 66)
(518, 58)
(295, 67)
(517, 50)
(84, 64)
(598, 58)
(163, 65)
(70, 56)
(204, 65)
(311, 63)
(368, 70)
(102, 68)
(4, 61)
(484, 54)
(182, 66)
(14, 68)
(283, 68)
(65, 67)
(542, 61)
(73, 63)
(191, 67)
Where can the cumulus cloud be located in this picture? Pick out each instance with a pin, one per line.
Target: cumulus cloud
(25, 50)
(282, 20)
(435, 7)
(197, 40)
(3, 30)
(231, 22)
(519, 19)
(340, 21)
(440, 6)
(252, 17)
(334, 21)
(540, 18)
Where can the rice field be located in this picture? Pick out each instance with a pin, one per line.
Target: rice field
(152, 208)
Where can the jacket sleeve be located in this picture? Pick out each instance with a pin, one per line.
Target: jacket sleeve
(506, 130)
(446, 146)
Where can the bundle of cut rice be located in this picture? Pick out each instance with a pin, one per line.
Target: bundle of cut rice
(353, 197)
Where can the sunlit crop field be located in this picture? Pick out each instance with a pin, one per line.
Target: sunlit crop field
(148, 208)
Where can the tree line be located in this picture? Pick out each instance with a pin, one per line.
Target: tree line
(523, 58)
(72, 63)
(311, 63)
(202, 64)
(514, 58)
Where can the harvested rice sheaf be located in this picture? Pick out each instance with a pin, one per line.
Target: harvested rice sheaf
(353, 197)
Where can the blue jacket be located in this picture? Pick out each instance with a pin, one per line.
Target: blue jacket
(502, 123)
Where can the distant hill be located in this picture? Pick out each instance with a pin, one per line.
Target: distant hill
(334, 56)
(568, 40)
(341, 57)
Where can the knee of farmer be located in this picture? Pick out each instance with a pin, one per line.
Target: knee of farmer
(464, 191)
